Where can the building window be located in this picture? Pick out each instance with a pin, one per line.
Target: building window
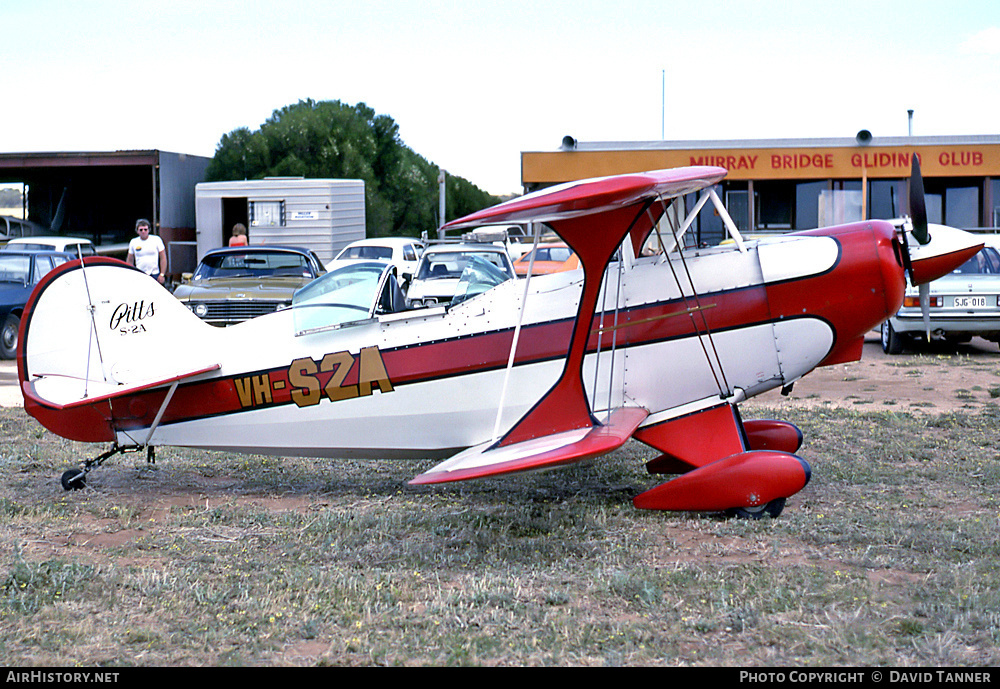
(839, 206)
(267, 213)
(737, 200)
(807, 203)
(995, 202)
(961, 207)
(887, 199)
(775, 202)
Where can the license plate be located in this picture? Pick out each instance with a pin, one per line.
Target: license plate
(971, 302)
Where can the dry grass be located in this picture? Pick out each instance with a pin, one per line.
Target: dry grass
(889, 557)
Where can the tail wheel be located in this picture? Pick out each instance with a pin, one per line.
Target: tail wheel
(73, 479)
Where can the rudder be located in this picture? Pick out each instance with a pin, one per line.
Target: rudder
(105, 324)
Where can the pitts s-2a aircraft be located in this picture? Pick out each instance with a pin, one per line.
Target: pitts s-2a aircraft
(511, 376)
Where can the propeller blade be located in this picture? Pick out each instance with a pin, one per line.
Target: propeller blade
(924, 291)
(918, 206)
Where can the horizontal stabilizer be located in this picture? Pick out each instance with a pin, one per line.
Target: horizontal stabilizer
(47, 389)
(549, 451)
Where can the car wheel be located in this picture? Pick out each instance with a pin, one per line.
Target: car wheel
(8, 336)
(892, 343)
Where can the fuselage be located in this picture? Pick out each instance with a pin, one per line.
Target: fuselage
(669, 332)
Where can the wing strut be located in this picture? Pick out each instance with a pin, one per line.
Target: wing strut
(602, 328)
(517, 331)
(727, 220)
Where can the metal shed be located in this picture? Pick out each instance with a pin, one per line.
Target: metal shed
(100, 195)
(324, 215)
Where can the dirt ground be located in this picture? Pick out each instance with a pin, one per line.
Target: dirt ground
(938, 378)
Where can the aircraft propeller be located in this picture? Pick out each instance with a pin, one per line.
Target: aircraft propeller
(918, 204)
(918, 223)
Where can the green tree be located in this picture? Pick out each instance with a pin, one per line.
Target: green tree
(330, 139)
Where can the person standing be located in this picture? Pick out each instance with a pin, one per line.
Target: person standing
(239, 237)
(147, 253)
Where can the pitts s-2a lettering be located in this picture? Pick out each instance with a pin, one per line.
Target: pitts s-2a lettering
(127, 317)
(513, 375)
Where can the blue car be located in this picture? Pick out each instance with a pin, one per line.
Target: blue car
(20, 271)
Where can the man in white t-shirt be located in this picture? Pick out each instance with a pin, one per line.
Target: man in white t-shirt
(147, 253)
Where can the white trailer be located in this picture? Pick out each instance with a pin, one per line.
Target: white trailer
(324, 215)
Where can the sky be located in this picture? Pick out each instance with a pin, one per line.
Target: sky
(473, 84)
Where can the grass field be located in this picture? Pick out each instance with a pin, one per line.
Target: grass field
(888, 557)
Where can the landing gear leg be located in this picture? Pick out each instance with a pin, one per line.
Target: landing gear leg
(76, 478)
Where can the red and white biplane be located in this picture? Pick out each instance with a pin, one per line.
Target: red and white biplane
(513, 375)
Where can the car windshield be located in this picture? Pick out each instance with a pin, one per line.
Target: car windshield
(479, 275)
(451, 264)
(341, 296)
(254, 264)
(15, 268)
(559, 254)
(986, 262)
(366, 252)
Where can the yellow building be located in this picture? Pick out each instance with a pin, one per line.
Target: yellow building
(795, 184)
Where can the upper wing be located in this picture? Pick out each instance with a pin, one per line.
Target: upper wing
(594, 196)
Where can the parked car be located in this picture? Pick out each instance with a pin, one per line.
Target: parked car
(20, 271)
(963, 304)
(234, 284)
(402, 252)
(440, 271)
(53, 243)
(550, 257)
(511, 237)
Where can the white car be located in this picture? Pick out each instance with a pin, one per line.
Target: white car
(511, 237)
(438, 277)
(67, 244)
(961, 305)
(402, 252)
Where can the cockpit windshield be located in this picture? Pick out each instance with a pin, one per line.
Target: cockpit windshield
(478, 276)
(344, 295)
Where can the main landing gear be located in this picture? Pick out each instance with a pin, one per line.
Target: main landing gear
(76, 478)
(771, 509)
